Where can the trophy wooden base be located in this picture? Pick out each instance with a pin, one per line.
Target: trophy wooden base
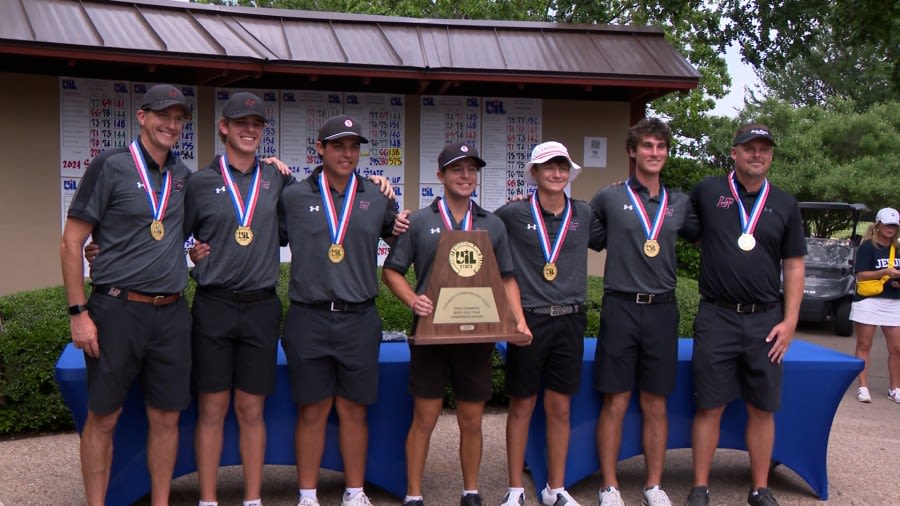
(470, 304)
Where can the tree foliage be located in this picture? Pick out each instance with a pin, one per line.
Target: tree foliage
(835, 153)
(810, 52)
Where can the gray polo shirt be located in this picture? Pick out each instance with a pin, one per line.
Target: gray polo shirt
(314, 278)
(419, 244)
(570, 285)
(112, 198)
(211, 216)
(628, 269)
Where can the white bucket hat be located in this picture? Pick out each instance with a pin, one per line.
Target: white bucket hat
(546, 151)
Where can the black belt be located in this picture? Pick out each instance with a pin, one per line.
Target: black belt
(555, 310)
(237, 295)
(132, 296)
(743, 307)
(338, 306)
(644, 298)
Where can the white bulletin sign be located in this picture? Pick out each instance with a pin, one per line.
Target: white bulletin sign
(446, 119)
(303, 112)
(381, 117)
(95, 115)
(511, 129)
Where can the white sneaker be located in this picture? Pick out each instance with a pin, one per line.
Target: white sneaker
(894, 395)
(610, 497)
(359, 499)
(862, 395)
(513, 499)
(655, 496)
(308, 501)
(559, 499)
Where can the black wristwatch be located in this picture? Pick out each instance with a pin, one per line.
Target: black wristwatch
(77, 309)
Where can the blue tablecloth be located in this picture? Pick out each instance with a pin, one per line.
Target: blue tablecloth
(129, 480)
(815, 379)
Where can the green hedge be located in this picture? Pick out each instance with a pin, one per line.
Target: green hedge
(35, 329)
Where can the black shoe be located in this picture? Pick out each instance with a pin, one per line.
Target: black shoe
(699, 496)
(414, 502)
(762, 497)
(471, 500)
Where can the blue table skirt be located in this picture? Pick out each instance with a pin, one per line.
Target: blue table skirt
(129, 480)
(815, 379)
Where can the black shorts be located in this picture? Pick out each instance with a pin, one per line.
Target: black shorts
(553, 358)
(638, 343)
(332, 354)
(731, 358)
(139, 340)
(235, 344)
(465, 367)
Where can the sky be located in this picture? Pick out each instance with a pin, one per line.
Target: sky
(742, 76)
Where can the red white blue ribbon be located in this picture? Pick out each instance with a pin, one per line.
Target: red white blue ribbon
(651, 230)
(157, 209)
(337, 224)
(748, 223)
(551, 252)
(464, 224)
(244, 214)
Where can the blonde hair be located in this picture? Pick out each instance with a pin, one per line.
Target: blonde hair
(871, 234)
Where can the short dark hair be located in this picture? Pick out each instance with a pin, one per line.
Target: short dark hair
(648, 127)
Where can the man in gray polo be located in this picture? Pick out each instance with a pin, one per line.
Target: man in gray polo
(332, 332)
(637, 344)
(465, 367)
(135, 325)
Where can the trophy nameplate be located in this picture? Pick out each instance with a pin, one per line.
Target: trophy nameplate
(470, 304)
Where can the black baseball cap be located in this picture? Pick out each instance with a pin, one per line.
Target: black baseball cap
(243, 104)
(162, 96)
(757, 132)
(341, 126)
(458, 151)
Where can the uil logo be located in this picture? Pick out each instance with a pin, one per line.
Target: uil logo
(466, 259)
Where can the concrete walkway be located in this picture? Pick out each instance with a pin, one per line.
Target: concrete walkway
(863, 462)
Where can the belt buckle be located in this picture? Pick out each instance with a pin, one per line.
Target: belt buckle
(337, 307)
(746, 308)
(643, 298)
(557, 310)
(158, 300)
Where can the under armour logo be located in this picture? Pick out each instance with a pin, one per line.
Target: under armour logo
(313, 209)
(628, 207)
(531, 226)
(140, 184)
(436, 230)
(220, 189)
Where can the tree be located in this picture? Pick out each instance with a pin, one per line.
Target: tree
(834, 153)
(811, 52)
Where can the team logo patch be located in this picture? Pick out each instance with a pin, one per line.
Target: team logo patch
(364, 205)
(725, 202)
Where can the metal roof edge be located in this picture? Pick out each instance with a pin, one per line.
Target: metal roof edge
(374, 18)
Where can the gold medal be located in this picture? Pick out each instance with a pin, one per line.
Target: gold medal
(746, 242)
(157, 230)
(243, 236)
(336, 253)
(651, 248)
(550, 271)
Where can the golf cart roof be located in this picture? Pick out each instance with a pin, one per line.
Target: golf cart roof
(836, 206)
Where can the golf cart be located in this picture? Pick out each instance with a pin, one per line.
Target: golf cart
(830, 282)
